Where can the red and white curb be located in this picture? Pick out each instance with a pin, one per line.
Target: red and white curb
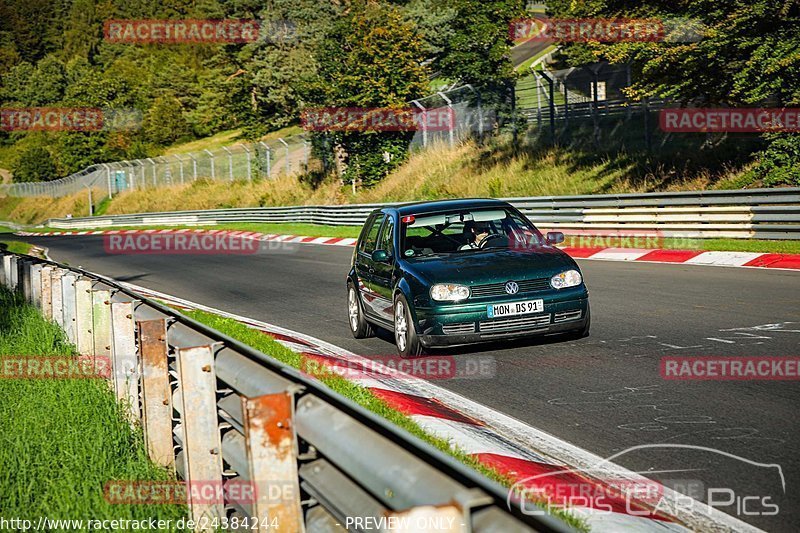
(498, 440)
(688, 257)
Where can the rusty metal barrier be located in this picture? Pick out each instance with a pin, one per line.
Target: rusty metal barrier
(214, 410)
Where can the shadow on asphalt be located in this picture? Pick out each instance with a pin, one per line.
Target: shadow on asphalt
(492, 346)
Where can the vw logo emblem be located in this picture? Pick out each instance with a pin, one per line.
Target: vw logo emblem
(512, 287)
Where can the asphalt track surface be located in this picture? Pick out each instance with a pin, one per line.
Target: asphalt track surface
(526, 50)
(604, 393)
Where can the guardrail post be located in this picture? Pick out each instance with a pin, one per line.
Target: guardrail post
(156, 397)
(13, 273)
(101, 324)
(36, 285)
(57, 296)
(84, 317)
(47, 293)
(26, 280)
(5, 271)
(271, 446)
(124, 365)
(68, 302)
(202, 446)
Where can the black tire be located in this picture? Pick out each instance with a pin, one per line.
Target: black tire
(359, 327)
(405, 337)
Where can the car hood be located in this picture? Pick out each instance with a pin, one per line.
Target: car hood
(492, 267)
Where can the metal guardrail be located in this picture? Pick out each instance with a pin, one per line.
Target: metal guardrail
(754, 213)
(213, 409)
(12, 225)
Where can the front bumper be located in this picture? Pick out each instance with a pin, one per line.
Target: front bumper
(470, 324)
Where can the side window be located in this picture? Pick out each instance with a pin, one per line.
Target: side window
(387, 237)
(371, 235)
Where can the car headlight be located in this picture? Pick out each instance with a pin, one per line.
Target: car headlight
(570, 278)
(448, 292)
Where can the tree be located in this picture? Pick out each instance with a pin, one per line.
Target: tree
(478, 51)
(371, 59)
(747, 56)
(164, 122)
(34, 164)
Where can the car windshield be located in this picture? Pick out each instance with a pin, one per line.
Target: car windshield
(466, 231)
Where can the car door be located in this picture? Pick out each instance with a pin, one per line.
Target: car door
(383, 276)
(365, 266)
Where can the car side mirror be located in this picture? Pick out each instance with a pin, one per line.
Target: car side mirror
(554, 237)
(380, 256)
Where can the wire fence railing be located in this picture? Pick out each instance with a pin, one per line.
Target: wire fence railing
(260, 160)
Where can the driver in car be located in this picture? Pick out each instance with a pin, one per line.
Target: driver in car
(477, 232)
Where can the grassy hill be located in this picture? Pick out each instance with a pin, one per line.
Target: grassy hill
(495, 170)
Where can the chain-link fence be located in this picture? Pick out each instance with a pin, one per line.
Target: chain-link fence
(466, 112)
(261, 160)
(588, 102)
(585, 108)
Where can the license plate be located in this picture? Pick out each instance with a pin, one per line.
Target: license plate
(515, 308)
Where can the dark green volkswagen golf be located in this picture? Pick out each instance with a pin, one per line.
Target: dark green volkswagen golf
(458, 272)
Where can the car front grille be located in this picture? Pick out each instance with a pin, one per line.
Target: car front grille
(520, 322)
(460, 328)
(499, 289)
(567, 316)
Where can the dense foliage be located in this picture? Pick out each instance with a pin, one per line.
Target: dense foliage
(368, 53)
(749, 55)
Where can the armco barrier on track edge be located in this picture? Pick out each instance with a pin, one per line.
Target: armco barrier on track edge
(263, 393)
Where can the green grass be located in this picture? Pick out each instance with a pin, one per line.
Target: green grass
(734, 245)
(4, 229)
(357, 393)
(16, 247)
(7, 205)
(227, 138)
(223, 138)
(63, 439)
